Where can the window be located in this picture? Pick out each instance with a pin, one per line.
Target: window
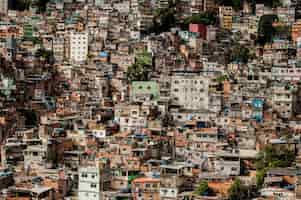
(84, 175)
(93, 185)
(147, 185)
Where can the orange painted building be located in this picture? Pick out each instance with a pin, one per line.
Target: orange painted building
(146, 188)
(296, 30)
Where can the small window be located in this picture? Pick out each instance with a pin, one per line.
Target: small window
(93, 185)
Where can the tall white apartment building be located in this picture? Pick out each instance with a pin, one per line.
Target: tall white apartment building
(78, 46)
(3, 6)
(190, 91)
(89, 183)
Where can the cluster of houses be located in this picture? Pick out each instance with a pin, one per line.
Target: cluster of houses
(95, 106)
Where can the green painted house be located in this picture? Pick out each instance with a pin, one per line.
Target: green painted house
(144, 91)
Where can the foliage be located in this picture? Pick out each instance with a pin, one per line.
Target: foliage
(283, 32)
(45, 54)
(202, 189)
(238, 191)
(206, 18)
(20, 5)
(139, 71)
(240, 54)
(42, 5)
(144, 58)
(31, 118)
(222, 78)
(164, 19)
(271, 157)
(167, 120)
(236, 4)
(266, 31)
(272, 3)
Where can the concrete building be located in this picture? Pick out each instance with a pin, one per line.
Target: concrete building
(142, 91)
(225, 15)
(227, 163)
(59, 48)
(282, 100)
(89, 183)
(196, 6)
(190, 91)
(3, 6)
(146, 188)
(99, 2)
(296, 30)
(78, 46)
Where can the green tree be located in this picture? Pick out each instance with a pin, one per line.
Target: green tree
(266, 31)
(144, 58)
(236, 4)
(21, 5)
(30, 116)
(272, 157)
(164, 19)
(167, 120)
(206, 18)
(45, 54)
(238, 191)
(240, 54)
(41, 5)
(202, 189)
(272, 3)
(137, 72)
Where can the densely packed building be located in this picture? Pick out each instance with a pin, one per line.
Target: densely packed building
(150, 99)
